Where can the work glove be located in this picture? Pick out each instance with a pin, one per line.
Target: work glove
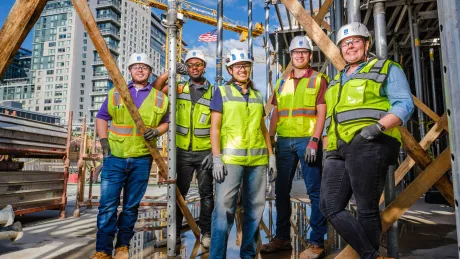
(181, 68)
(105, 147)
(271, 171)
(218, 170)
(150, 133)
(206, 164)
(371, 132)
(311, 152)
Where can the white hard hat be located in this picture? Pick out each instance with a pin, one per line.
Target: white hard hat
(237, 55)
(139, 58)
(353, 29)
(195, 53)
(300, 42)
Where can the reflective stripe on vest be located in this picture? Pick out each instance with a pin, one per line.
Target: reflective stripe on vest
(360, 114)
(327, 123)
(244, 152)
(230, 97)
(202, 132)
(181, 130)
(303, 112)
(121, 130)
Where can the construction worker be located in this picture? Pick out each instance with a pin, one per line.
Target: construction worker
(242, 154)
(193, 119)
(366, 102)
(127, 160)
(298, 120)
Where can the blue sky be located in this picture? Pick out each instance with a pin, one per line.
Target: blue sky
(233, 9)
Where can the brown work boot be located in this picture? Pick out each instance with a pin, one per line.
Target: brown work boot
(383, 257)
(101, 255)
(276, 245)
(312, 252)
(121, 252)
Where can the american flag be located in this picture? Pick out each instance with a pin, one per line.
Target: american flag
(209, 36)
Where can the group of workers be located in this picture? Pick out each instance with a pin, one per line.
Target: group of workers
(343, 132)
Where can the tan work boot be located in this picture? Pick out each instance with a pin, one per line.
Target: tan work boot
(121, 252)
(276, 245)
(312, 252)
(206, 240)
(101, 255)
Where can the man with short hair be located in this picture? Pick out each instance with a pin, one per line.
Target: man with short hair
(127, 160)
(193, 119)
(298, 120)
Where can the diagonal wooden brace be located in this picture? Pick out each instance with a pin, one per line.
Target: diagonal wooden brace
(81, 6)
(407, 198)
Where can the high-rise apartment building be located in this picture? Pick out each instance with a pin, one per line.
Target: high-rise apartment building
(67, 72)
(20, 65)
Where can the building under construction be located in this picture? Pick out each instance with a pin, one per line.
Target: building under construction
(423, 36)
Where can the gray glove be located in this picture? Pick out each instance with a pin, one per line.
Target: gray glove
(218, 170)
(181, 68)
(271, 171)
(206, 164)
(150, 134)
(311, 152)
(371, 132)
(105, 146)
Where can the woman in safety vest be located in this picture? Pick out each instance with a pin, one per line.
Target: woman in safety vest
(366, 102)
(242, 153)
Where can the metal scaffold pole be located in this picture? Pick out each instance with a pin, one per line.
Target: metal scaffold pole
(433, 93)
(449, 20)
(353, 11)
(332, 70)
(172, 33)
(338, 5)
(219, 49)
(267, 49)
(277, 63)
(415, 43)
(381, 48)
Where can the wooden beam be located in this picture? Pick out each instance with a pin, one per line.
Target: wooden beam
(81, 6)
(17, 26)
(425, 109)
(315, 33)
(268, 106)
(319, 17)
(407, 198)
(423, 160)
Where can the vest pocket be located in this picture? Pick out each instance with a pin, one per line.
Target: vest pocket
(355, 94)
(204, 116)
(309, 97)
(119, 112)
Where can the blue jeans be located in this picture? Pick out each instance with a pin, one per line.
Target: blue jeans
(289, 151)
(254, 180)
(131, 174)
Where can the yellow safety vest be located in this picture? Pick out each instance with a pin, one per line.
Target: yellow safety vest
(357, 103)
(193, 117)
(124, 138)
(241, 139)
(297, 106)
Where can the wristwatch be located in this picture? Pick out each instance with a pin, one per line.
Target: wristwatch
(314, 139)
(381, 127)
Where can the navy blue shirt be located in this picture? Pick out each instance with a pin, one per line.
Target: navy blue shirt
(217, 104)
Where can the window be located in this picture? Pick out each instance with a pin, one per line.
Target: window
(50, 72)
(82, 99)
(47, 108)
(85, 41)
(51, 44)
(48, 100)
(61, 50)
(83, 63)
(62, 36)
(83, 70)
(82, 85)
(81, 106)
(82, 92)
(82, 77)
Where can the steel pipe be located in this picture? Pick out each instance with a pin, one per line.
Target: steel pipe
(353, 11)
(172, 41)
(381, 45)
(277, 63)
(415, 43)
(332, 70)
(219, 47)
(267, 49)
(433, 83)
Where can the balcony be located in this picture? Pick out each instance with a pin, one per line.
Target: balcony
(110, 32)
(101, 76)
(113, 48)
(115, 5)
(109, 18)
(99, 92)
(98, 62)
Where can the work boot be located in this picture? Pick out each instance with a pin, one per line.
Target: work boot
(276, 245)
(312, 252)
(383, 257)
(101, 255)
(206, 240)
(121, 252)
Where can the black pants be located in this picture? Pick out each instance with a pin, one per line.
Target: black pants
(187, 163)
(357, 168)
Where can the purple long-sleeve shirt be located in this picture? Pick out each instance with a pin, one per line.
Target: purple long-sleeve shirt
(138, 98)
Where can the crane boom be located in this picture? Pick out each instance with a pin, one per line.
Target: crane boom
(205, 15)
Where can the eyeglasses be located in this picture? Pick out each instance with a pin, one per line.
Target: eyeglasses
(353, 41)
(139, 68)
(300, 52)
(194, 65)
(246, 67)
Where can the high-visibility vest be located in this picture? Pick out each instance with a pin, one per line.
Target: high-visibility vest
(241, 139)
(357, 103)
(297, 105)
(124, 138)
(193, 120)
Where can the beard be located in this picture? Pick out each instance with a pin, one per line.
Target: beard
(196, 78)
